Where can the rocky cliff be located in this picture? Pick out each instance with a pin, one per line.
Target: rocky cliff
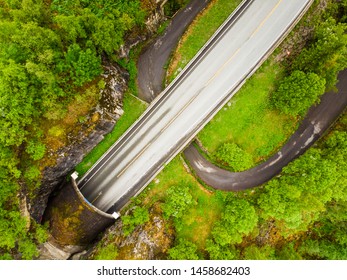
(100, 120)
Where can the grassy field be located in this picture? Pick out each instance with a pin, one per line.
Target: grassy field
(133, 108)
(248, 120)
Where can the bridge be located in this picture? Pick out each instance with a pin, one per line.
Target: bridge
(82, 209)
(174, 118)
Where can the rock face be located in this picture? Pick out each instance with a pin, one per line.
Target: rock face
(100, 121)
(155, 17)
(147, 242)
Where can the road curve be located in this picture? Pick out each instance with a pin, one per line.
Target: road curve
(316, 122)
(152, 60)
(190, 101)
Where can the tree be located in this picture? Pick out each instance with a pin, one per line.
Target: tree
(254, 252)
(328, 238)
(35, 149)
(177, 201)
(139, 216)
(234, 156)
(184, 250)
(306, 185)
(288, 252)
(17, 103)
(326, 56)
(298, 92)
(48, 52)
(238, 219)
(218, 252)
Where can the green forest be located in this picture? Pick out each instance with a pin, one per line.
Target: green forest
(51, 53)
(51, 57)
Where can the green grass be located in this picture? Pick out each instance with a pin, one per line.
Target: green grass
(248, 120)
(133, 108)
(200, 32)
(201, 216)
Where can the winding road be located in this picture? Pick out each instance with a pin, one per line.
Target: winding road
(317, 121)
(174, 118)
(151, 62)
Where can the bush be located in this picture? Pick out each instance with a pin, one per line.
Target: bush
(234, 156)
(138, 217)
(178, 199)
(185, 250)
(298, 92)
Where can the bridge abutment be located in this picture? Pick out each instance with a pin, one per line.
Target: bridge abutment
(72, 219)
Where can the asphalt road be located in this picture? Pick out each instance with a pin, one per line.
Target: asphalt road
(152, 60)
(316, 122)
(180, 111)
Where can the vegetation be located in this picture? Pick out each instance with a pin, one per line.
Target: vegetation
(234, 156)
(107, 252)
(173, 5)
(238, 218)
(270, 104)
(178, 200)
(50, 57)
(199, 33)
(138, 216)
(297, 92)
(326, 54)
(133, 108)
(258, 129)
(307, 185)
(184, 250)
(297, 215)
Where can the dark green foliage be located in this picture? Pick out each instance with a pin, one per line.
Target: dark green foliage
(234, 156)
(185, 250)
(254, 252)
(48, 52)
(104, 22)
(326, 56)
(44, 55)
(15, 236)
(329, 235)
(307, 184)
(342, 9)
(173, 5)
(82, 65)
(218, 252)
(297, 92)
(288, 252)
(324, 249)
(238, 219)
(178, 199)
(35, 149)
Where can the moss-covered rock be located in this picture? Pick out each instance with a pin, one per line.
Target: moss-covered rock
(147, 242)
